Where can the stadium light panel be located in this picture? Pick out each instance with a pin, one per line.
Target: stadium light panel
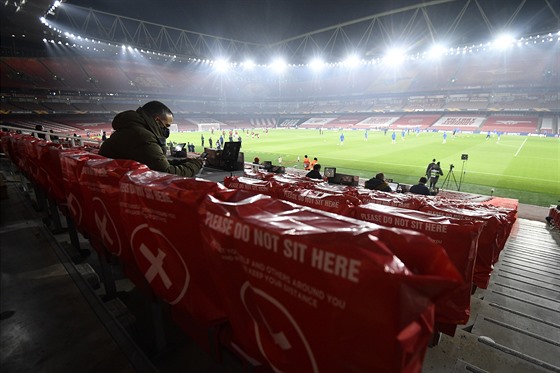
(351, 61)
(278, 65)
(436, 51)
(317, 64)
(394, 56)
(249, 64)
(504, 41)
(221, 65)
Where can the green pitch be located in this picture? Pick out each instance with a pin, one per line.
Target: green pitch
(524, 168)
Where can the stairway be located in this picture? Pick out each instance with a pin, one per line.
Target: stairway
(515, 322)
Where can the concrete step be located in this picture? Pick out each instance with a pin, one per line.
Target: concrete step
(462, 366)
(480, 353)
(528, 336)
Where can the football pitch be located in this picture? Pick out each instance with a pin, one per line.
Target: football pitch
(519, 167)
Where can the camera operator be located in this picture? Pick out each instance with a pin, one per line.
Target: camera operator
(435, 173)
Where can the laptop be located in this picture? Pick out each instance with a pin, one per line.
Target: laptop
(179, 150)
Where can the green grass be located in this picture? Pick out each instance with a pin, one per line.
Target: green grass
(519, 167)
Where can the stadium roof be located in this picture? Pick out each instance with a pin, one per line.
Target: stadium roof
(271, 21)
(206, 28)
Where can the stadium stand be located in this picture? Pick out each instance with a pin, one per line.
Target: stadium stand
(462, 102)
(469, 123)
(185, 124)
(433, 76)
(7, 108)
(89, 107)
(511, 124)
(289, 123)
(63, 107)
(415, 121)
(382, 105)
(424, 103)
(143, 78)
(106, 77)
(115, 107)
(33, 71)
(474, 72)
(261, 123)
(68, 70)
(346, 121)
(317, 122)
(30, 105)
(377, 122)
(360, 106)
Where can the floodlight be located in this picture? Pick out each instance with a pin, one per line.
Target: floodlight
(249, 64)
(395, 56)
(316, 64)
(351, 61)
(221, 65)
(279, 65)
(504, 41)
(436, 51)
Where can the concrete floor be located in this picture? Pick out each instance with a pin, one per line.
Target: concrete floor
(53, 320)
(44, 314)
(55, 315)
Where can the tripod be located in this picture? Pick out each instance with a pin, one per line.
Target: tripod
(447, 178)
(463, 172)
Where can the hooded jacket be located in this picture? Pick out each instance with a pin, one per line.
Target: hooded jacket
(138, 137)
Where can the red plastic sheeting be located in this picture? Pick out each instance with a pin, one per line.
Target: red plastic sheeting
(340, 204)
(161, 221)
(100, 186)
(459, 238)
(50, 173)
(406, 201)
(302, 289)
(317, 195)
(306, 291)
(487, 243)
(71, 163)
(246, 183)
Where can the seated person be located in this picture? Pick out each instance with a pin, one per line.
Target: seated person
(314, 173)
(378, 183)
(141, 136)
(421, 187)
(256, 164)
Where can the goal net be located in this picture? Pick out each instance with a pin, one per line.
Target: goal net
(207, 126)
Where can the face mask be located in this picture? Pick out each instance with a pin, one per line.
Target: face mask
(165, 132)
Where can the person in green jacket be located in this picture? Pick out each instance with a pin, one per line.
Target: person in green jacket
(141, 135)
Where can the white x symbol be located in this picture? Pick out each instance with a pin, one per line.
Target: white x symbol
(102, 226)
(74, 205)
(156, 267)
